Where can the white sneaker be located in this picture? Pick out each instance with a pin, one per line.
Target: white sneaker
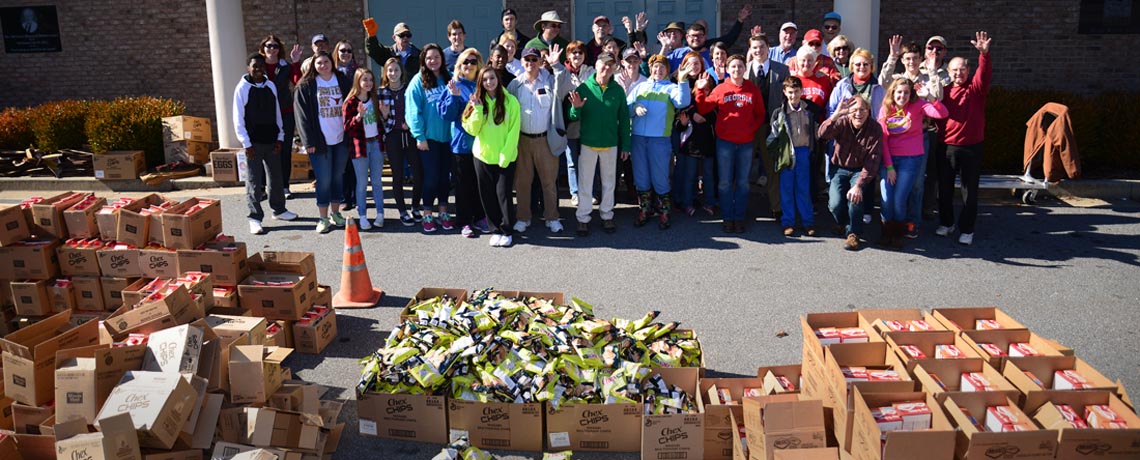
(285, 216)
(866, 219)
(255, 227)
(554, 226)
(495, 238)
(379, 222)
(364, 225)
(521, 226)
(966, 239)
(595, 201)
(505, 241)
(944, 231)
(574, 201)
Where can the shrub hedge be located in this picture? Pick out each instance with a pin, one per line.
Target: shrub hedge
(131, 123)
(60, 124)
(16, 129)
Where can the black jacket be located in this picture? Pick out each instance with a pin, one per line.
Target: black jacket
(380, 54)
(305, 108)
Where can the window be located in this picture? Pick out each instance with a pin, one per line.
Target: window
(1109, 17)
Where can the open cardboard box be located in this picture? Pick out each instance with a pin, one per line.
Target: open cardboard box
(965, 319)
(159, 405)
(455, 294)
(80, 222)
(29, 356)
(594, 427)
(871, 443)
(13, 225)
(771, 385)
(312, 335)
(113, 291)
(719, 426)
(872, 355)
(115, 440)
(926, 342)
(496, 425)
(31, 297)
(136, 224)
(1078, 444)
(783, 421)
(156, 262)
(277, 295)
(420, 418)
(973, 443)
(78, 261)
(30, 260)
(32, 419)
(225, 260)
(813, 348)
(877, 318)
(255, 372)
(1044, 367)
(949, 372)
(675, 435)
(47, 215)
(84, 378)
(246, 330)
(1002, 338)
(180, 231)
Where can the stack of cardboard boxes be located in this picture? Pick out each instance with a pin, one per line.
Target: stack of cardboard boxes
(187, 139)
(113, 322)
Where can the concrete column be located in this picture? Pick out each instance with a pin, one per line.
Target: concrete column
(861, 24)
(227, 61)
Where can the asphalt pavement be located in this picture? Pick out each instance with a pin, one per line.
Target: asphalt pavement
(1068, 273)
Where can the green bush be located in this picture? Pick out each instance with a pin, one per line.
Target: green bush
(131, 123)
(60, 125)
(16, 129)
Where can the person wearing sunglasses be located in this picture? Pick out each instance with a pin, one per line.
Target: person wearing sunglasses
(283, 74)
(832, 27)
(925, 201)
(823, 63)
(549, 27)
(862, 84)
(469, 214)
(839, 48)
(345, 63)
(402, 48)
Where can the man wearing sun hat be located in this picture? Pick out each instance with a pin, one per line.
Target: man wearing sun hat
(549, 28)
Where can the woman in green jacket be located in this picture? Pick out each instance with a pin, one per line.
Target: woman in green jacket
(492, 116)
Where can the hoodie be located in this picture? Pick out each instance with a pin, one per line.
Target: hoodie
(451, 109)
(257, 116)
(422, 111)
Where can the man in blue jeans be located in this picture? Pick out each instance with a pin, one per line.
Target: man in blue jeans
(257, 123)
(858, 151)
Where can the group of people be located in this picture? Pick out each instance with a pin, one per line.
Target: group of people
(688, 126)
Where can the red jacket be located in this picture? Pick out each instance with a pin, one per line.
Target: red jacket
(739, 110)
(354, 129)
(966, 124)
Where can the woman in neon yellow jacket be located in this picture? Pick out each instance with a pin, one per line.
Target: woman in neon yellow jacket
(492, 117)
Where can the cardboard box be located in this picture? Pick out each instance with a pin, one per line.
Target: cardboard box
(225, 297)
(300, 167)
(84, 377)
(1001, 339)
(255, 372)
(187, 151)
(32, 419)
(822, 453)
(229, 165)
(405, 417)
(303, 263)
(13, 225)
(719, 429)
(282, 429)
(159, 263)
(873, 356)
(424, 294)
(225, 260)
(942, 378)
(61, 295)
(276, 295)
(119, 164)
(182, 231)
(776, 379)
(245, 330)
(495, 425)
(185, 127)
(113, 291)
(314, 332)
(29, 356)
(966, 319)
(594, 427)
(813, 347)
(31, 260)
(230, 450)
(120, 261)
(675, 435)
(78, 260)
(780, 422)
(47, 215)
(174, 350)
(160, 310)
(159, 405)
(79, 219)
(870, 442)
(186, 454)
(974, 443)
(107, 217)
(1075, 443)
(31, 297)
(88, 293)
(116, 440)
(926, 343)
(1044, 368)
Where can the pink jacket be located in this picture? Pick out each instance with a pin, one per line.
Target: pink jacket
(902, 130)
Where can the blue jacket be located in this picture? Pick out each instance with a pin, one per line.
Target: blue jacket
(845, 88)
(451, 109)
(661, 100)
(422, 111)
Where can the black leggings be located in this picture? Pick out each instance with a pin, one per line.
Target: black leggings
(400, 147)
(468, 207)
(495, 187)
(967, 161)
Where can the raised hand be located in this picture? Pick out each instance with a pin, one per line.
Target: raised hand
(744, 13)
(684, 71)
(844, 107)
(757, 30)
(295, 54)
(981, 41)
(577, 100)
(642, 21)
(896, 45)
(640, 47)
(360, 109)
(476, 102)
(370, 26)
(705, 82)
(921, 91)
(453, 88)
(663, 39)
(552, 56)
(625, 21)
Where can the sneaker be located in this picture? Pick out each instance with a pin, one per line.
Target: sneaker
(689, 211)
(521, 226)
(595, 201)
(762, 181)
(379, 222)
(337, 219)
(966, 239)
(709, 209)
(348, 207)
(583, 229)
(608, 226)
(288, 195)
(467, 232)
(429, 224)
(574, 201)
(364, 224)
(866, 219)
(483, 226)
(789, 231)
(417, 216)
(505, 241)
(911, 230)
(255, 227)
(285, 216)
(495, 240)
(809, 231)
(554, 226)
(446, 221)
(852, 242)
(324, 226)
(728, 226)
(407, 219)
(944, 231)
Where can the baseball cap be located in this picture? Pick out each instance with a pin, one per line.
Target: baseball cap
(320, 38)
(789, 24)
(529, 51)
(630, 52)
(833, 15)
(601, 18)
(401, 28)
(605, 57)
(936, 38)
(813, 35)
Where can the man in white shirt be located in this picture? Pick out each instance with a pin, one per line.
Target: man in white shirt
(542, 132)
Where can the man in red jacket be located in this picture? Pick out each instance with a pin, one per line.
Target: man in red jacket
(963, 133)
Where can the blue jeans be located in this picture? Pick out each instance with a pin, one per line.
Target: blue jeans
(795, 191)
(573, 148)
(651, 157)
(914, 203)
(328, 167)
(894, 197)
(846, 213)
(436, 162)
(733, 163)
(371, 167)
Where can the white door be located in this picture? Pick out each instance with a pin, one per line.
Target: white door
(659, 12)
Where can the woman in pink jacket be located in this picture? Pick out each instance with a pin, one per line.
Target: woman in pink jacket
(901, 117)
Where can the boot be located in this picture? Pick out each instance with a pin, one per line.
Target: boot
(666, 208)
(642, 209)
(886, 233)
(899, 236)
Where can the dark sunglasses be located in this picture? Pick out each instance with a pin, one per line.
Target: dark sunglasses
(405, 35)
(531, 59)
(815, 44)
(843, 48)
(345, 51)
(471, 61)
(830, 27)
(935, 48)
(272, 46)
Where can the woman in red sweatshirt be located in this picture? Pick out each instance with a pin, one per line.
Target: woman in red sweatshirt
(740, 112)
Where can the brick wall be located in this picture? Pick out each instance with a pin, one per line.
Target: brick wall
(161, 48)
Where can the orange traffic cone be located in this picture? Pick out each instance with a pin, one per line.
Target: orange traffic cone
(356, 289)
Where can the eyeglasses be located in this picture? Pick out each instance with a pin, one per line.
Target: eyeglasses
(405, 35)
(815, 44)
(843, 48)
(554, 25)
(471, 61)
(860, 64)
(830, 27)
(531, 59)
(576, 52)
(935, 48)
(696, 35)
(272, 46)
(344, 51)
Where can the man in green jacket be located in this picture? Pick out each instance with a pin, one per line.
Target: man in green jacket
(599, 103)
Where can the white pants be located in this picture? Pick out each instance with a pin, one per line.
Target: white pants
(588, 162)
